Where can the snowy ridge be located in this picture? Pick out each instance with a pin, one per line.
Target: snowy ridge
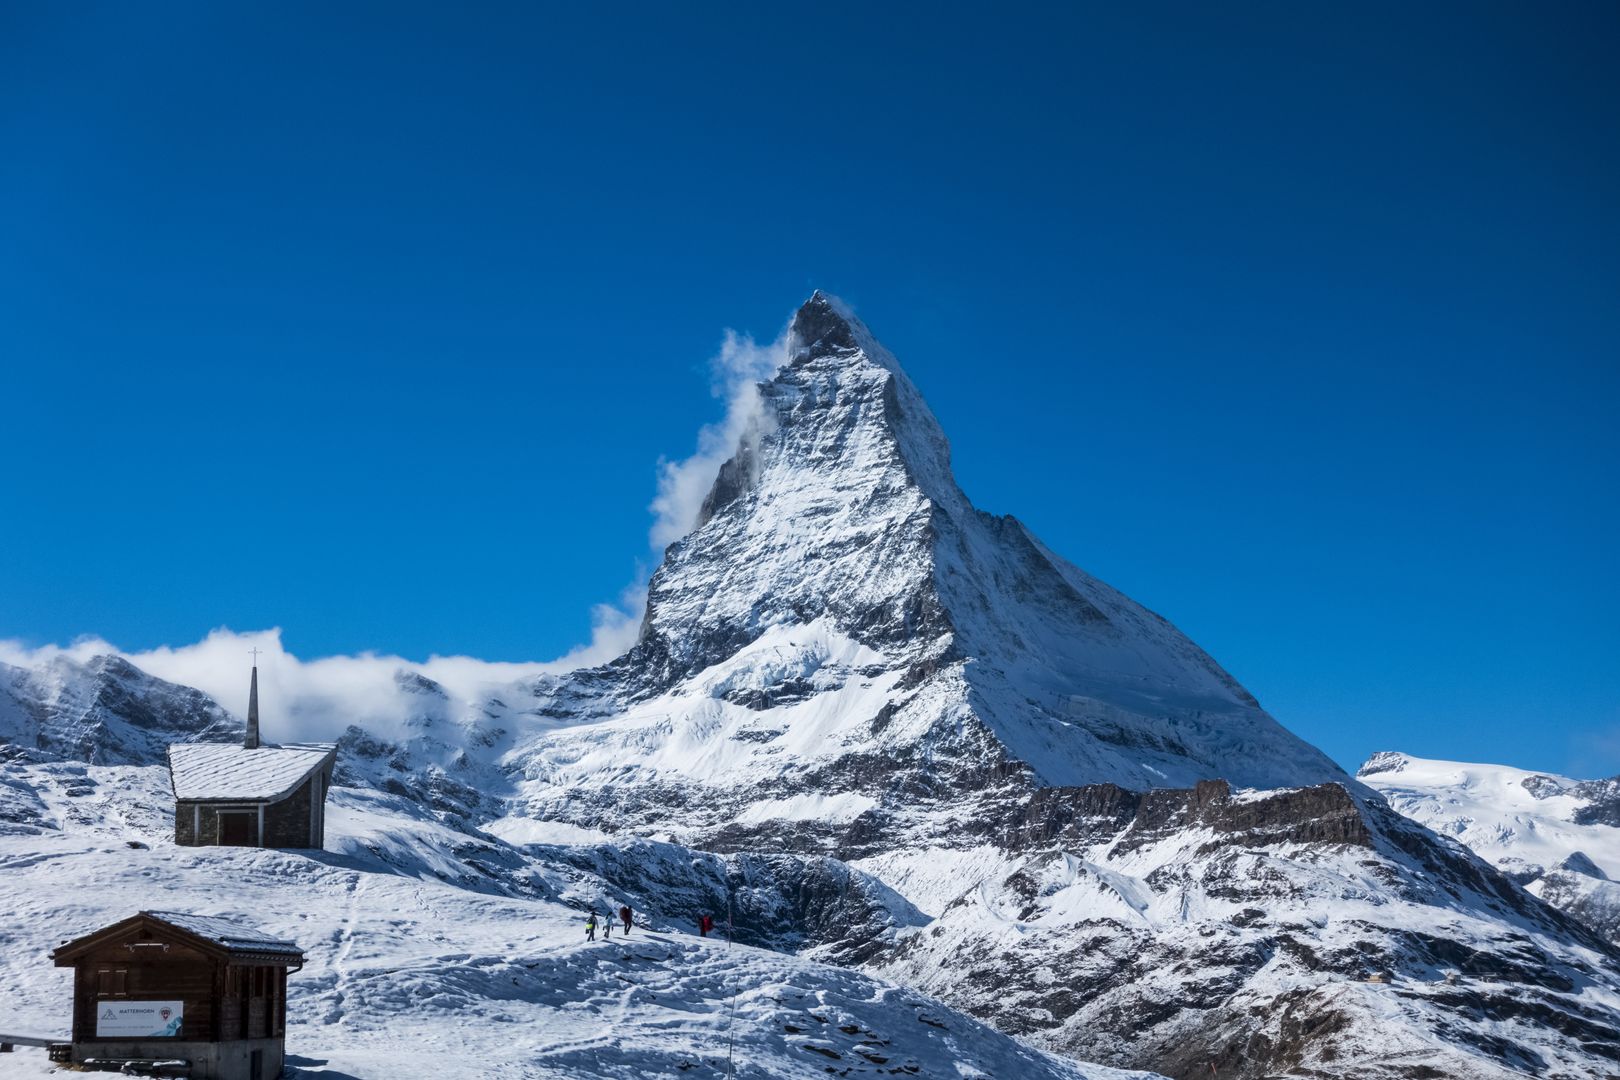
(1241, 932)
(105, 710)
(1519, 820)
(1558, 837)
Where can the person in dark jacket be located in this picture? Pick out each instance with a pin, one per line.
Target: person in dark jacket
(705, 924)
(624, 917)
(590, 927)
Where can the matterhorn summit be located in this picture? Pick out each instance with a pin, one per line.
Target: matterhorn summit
(844, 629)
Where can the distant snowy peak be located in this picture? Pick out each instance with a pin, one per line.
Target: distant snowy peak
(1508, 815)
(1557, 836)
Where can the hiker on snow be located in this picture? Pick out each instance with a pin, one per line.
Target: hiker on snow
(624, 914)
(705, 924)
(590, 927)
(607, 924)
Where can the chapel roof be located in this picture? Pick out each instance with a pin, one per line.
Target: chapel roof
(219, 772)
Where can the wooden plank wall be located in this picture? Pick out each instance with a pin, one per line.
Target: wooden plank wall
(145, 974)
(222, 1001)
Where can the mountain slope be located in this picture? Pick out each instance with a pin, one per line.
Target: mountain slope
(409, 965)
(104, 710)
(1303, 932)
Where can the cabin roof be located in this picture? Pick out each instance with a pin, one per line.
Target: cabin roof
(209, 931)
(213, 772)
(232, 936)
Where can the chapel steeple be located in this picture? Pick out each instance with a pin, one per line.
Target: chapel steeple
(251, 742)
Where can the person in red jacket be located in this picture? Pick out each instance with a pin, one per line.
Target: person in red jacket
(705, 924)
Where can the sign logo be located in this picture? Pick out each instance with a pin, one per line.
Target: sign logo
(165, 1013)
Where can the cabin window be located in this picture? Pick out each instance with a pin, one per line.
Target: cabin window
(112, 982)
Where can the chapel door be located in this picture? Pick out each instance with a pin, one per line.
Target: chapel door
(239, 828)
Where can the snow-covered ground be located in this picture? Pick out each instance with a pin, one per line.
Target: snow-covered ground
(411, 975)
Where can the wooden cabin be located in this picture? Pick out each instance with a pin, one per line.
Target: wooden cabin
(253, 795)
(207, 995)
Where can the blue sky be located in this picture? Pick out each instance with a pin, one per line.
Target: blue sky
(1299, 325)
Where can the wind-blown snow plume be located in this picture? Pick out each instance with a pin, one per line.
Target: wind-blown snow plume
(738, 369)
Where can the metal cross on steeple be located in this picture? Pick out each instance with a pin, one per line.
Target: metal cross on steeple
(255, 652)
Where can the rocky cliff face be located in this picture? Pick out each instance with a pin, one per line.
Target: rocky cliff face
(1302, 932)
(104, 711)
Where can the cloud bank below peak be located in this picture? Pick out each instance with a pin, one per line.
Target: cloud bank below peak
(320, 698)
(302, 698)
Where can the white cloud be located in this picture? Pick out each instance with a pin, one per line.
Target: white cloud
(614, 628)
(302, 699)
(319, 698)
(682, 485)
(736, 372)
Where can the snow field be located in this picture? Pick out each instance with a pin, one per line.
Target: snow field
(1489, 808)
(409, 975)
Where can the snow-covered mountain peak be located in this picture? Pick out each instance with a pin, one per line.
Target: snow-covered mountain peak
(825, 509)
(829, 338)
(1555, 835)
(988, 655)
(826, 326)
